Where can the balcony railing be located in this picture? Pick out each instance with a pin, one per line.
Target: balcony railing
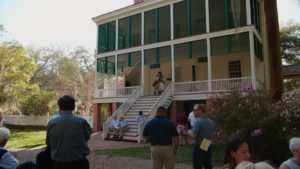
(120, 92)
(186, 87)
(191, 87)
(226, 84)
(217, 85)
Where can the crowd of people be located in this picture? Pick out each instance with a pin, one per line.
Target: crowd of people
(165, 138)
(67, 137)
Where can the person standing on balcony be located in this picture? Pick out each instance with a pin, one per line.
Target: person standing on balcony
(202, 133)
(160, 80)
(163, 137)
(67, 137)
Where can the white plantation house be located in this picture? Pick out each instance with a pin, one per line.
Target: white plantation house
(201, 47)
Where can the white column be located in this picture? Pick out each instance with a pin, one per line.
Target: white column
(173, 63)
(172, 46)
(117, 34)
(116, 74)
(248, 12)
(143, 28)
(207, 15)
(142, 71)
(172, 21)
(116, 56)
(209, 65)
(209, 74)
(252, 60)
(143, 53)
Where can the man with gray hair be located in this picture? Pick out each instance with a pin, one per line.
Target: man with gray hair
(294, 162)
(7, 160)
(164, 140)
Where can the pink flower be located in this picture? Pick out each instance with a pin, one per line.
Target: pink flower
(225, 103)
(247, 88)
(256, 132)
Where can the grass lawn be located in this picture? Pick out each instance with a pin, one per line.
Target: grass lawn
(26, 139)
(184, 154)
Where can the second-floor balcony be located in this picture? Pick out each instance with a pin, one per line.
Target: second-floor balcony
(185, 88)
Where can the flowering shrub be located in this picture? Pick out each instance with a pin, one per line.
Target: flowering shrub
(291, 112)
(252, 114)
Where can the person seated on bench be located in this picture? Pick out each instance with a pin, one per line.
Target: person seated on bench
(123, 127)
(114, 127)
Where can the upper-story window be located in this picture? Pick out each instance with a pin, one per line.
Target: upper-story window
(227, 14)
(255, 14)
(180, 19)
(123, 39)
(106, 37)
(198, 20)
(157, 25)
(189, 18)
(129, 31)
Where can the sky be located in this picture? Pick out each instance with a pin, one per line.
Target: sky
(69, 22)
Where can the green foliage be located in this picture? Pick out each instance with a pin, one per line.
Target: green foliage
(253, 115)
(37, 103)
(290, 43)
(15, 72)
(291, 84)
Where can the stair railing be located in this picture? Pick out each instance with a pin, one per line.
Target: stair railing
(160, 102)
(122, 110)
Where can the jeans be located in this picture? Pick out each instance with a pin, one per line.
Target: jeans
(201, 158)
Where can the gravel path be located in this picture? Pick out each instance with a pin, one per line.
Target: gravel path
(103, 162)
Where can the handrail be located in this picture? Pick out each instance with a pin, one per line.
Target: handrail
(162, 99)
(122, 110)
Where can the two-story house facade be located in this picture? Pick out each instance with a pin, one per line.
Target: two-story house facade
(201, 47)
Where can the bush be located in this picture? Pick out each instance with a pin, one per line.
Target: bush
(291, 112)
(37, 103)
(252, 114)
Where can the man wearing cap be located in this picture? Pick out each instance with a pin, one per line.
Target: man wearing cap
(163, 137)
(67, 137)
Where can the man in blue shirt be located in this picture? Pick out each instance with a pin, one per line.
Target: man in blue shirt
(164, 140)
(67, 137)
(202, 130)
(114, 127)
(123, 127)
